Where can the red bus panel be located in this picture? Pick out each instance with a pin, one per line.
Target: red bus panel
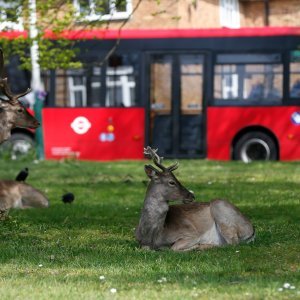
(224, 123)
(94, 133)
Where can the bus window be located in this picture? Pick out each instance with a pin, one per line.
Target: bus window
(112, 85)
(191, 67)
(248, 78)
(161, 70)
(295, 74)
(77, 87)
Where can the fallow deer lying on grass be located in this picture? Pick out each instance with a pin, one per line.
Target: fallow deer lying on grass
(14, 194)
(187, 226)
(12, 112)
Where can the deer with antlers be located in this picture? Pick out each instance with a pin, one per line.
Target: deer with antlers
(189, 225)
(12, 112)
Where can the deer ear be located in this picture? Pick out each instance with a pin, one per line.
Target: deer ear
(151, 172)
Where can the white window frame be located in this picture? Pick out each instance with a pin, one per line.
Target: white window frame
(113, 15)
(74, 88)
(4, 24)
(230, 13)
(230, 86)
(124, 83)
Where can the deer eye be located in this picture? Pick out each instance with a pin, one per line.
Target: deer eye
(171, 183)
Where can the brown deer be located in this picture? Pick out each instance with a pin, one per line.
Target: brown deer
(12, 112)
(187, 226)
(14, 194)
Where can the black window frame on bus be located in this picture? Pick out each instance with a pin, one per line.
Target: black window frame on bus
(240, 61)
(293, 57)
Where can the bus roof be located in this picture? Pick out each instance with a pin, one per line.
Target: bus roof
(162, 33)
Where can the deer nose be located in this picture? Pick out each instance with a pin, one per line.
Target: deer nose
(190, 197)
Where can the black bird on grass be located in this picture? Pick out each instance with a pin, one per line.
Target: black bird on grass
(68, 198)
(22, 175)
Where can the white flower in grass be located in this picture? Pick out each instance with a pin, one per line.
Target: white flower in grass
(280, 289)
(113, 290)
(102, 277)
(286, 285)
(40, 265)
(292, 287)
(163, 279)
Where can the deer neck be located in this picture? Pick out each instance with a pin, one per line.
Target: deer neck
(155, 208)
(152, 219)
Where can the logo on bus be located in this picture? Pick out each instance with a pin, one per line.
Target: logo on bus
(296, 118)
(107, 137)
(81, 125)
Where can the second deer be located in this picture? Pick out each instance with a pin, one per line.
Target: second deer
(190, 225)
(12, 112)
(14, 194)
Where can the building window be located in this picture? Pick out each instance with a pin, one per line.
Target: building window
(95, 10)
(248, 78)
(229, 13)
(10, 16)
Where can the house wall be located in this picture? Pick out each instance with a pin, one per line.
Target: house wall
(206, 14)
(281, 13)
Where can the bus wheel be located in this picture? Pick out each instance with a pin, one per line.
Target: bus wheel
(19, 145)
(254, 146)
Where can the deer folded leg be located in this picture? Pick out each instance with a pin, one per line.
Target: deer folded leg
(184, 245)
(231, 223)
(204, 246)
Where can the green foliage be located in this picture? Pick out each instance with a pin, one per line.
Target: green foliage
(59, 53)
(60, 252)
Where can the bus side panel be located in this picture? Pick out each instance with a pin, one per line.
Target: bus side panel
(94, 133)
(223, 123)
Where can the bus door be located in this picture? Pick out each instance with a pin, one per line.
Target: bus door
(176, 125)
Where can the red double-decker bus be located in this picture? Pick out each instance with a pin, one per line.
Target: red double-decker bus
(212, 93)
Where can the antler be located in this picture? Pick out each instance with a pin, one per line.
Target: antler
(4, 87)
(152, 153)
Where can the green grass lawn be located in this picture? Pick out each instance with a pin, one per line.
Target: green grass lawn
(61, 252)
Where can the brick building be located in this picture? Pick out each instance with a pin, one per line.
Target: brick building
(210, 13)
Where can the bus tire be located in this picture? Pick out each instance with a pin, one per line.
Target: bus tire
(21, 144)
(254, 146)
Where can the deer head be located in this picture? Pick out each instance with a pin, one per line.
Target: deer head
(163, 181)
(12, 112)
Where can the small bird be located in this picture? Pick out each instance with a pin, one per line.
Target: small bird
(68, 198)
(22, 175)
